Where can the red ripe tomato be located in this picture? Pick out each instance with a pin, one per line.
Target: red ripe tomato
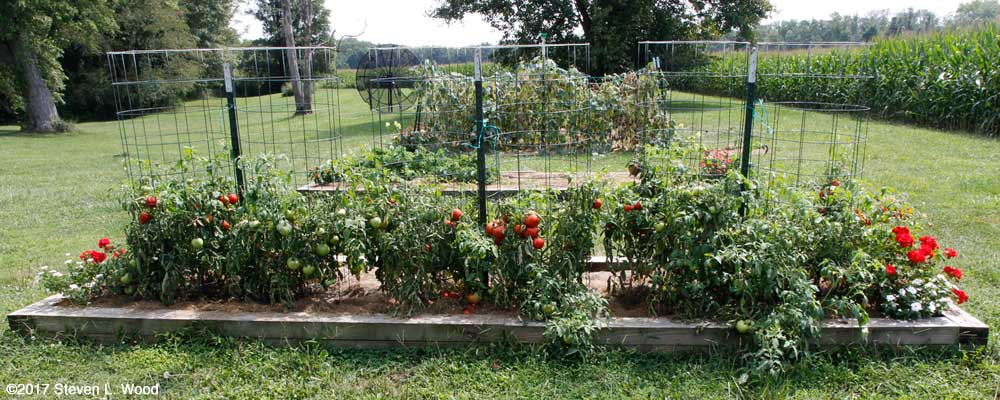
(449, 223)
(498, 240)
(151, 201)
(835, 182)
(489, 228)
(456, 215)
(499, 230)
(233, 198)
(225, 225)
(597, 204)
(519, 230)
(628, 207)
(532, 220)
(224, 200)
(473, 298)
(637, 206)
(532, 232)
(144, 217)
(538, 243)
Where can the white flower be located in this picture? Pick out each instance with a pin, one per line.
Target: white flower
(387, 124)
(74, 286)
(912, 290)
(89, 284)
(941, 277)
(890, 298)
(67, 254)
(45, 267)
(918, 282)
(932, 307)
(68, 262)
(56, 274)
(930, 285)
(916, 307)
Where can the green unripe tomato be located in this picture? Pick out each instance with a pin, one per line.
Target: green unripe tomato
(375, 222)
(197, 243)
(125, 279)
(659, 227)
(129, 290)
(284, 228)
(254, 224)
(320, 231)
(293, 263)
(308, 270)
(743, 326)
(321, 250)
(549, 309)
(334, 240)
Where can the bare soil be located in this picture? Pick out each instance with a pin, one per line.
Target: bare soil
(362, 296)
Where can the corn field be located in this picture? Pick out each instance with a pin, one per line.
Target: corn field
(948, 80)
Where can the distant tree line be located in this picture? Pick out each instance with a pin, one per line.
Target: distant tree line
(878, 24)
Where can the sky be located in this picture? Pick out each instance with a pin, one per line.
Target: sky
(405, 22)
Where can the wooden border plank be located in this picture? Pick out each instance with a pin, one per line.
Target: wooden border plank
(108, 324)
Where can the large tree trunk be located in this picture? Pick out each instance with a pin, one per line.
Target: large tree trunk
(41, 106)
(308, 56)
(292, 58)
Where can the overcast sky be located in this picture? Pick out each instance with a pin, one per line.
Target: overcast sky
(405, 22)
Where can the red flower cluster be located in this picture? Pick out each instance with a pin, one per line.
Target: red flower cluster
(916, 256)
(954, 272)
(962, 297)
(950, 252)
(96, 256)
(903, 236)
(890, 269)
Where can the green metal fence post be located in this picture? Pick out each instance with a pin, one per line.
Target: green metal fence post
(234, 131)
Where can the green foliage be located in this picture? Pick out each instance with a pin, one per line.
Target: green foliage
(945, 80)
(612, 27)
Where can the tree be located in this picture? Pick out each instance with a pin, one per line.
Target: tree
(295, 23)
(976, 12)
(208, 21)
(32, 36)
(612, 27)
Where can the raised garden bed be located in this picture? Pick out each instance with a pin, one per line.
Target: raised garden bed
(356, 315)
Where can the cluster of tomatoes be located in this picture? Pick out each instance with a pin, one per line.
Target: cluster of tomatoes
(472, 300)
(529, 229)
(456, 215)
(633, 207)
(150, 203)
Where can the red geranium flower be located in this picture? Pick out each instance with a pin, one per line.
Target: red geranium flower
(962, 297)
(904, 239)
(901, 230)
(929, 241)
(104, 242)
(954, 272)
(890, 269)
(950, 252)
(86, 254)
(98, 256)
(927, 249)
(916, 256)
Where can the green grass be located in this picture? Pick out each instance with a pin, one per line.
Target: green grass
(58, 195)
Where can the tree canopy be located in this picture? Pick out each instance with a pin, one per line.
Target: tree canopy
(612, 27)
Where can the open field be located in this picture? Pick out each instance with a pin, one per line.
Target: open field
(58, 196)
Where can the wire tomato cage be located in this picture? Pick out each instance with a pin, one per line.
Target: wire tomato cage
(233, 102)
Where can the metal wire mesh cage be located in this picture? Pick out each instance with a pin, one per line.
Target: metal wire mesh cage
(706, 98)
(236, 101)
(535, 105)
(810, 112)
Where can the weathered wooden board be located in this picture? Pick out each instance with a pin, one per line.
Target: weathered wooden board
(105, 324)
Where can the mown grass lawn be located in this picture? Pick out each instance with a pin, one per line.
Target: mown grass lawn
(58, 195)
